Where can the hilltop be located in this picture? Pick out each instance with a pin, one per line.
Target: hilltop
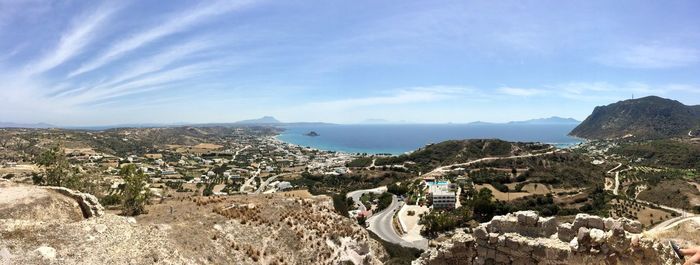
(40, 125)
(263, 120)
(644, 118)
(458, 151)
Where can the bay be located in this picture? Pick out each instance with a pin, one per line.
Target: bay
(402, 138)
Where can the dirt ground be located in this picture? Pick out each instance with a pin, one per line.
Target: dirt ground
(503, 196)
(283, 228)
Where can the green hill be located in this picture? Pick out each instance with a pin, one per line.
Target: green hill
(644, 118)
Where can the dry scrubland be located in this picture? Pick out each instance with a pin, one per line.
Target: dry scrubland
(269, 229)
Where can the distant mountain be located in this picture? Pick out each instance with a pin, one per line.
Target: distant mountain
(26, 125)
(644, 118)
(263, 120)
(481, 123)
(550, 120)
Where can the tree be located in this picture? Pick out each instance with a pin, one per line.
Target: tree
(57, 168)
(362, 220)
(136, 193)
(208, 190)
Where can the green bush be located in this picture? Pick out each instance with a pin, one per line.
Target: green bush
(112, 199)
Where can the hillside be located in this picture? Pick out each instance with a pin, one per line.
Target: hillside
(39, 226)
(459, 151)
(644, 118)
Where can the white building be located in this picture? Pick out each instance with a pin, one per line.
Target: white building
(440, 196)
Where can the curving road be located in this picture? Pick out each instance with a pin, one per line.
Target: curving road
(382, 224)
(355, 195)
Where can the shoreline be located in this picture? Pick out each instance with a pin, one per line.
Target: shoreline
(374, 152)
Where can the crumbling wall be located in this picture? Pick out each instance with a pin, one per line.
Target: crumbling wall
(526, 238)
(89, 204)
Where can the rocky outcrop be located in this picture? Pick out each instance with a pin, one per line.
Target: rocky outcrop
(89, 204)
(526, 238)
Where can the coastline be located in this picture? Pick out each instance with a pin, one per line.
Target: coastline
(370, 141)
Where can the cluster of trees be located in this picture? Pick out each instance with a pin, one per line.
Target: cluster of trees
(398, 189)
(478, 206)
(59, 172)
(383, 200)
(360, 162)
(662, 152)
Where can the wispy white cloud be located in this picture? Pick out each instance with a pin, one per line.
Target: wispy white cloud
(402, 96)
(599, 91)
(521, 92)
(140, 68)
(651, 56)
(72, 42)
(147, 83)
(174, 24)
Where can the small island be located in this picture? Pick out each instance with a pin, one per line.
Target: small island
(312, 134)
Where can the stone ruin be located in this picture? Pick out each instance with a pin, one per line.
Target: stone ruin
(526, 238)
(89, 204)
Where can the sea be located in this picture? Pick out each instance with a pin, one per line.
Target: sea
(402, 138)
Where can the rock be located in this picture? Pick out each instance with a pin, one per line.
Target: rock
(609, 223)
(480, 233)
(583, 236)
(100, 228)
(47, 253)
(574, 244)
(617, 229)
(589, 221)
(131, 220)
(633, 226)
(527, 218)
(548, 225)
(5, 256)
(597, 236)
(565, 232)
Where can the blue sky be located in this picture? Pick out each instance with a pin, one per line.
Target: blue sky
(98, 63)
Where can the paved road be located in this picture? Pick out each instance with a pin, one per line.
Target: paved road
(670, 223)
(355, 195)
(382, 224)
(266, 182)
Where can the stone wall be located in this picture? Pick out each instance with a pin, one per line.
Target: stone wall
(89, 204)
(525, 238)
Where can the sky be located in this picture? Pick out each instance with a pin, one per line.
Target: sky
(78, 63)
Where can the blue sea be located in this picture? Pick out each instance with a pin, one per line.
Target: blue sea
(402, 138)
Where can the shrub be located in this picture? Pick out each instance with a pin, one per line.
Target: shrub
(112, 199)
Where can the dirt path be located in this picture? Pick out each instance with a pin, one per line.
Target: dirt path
(447, 168)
